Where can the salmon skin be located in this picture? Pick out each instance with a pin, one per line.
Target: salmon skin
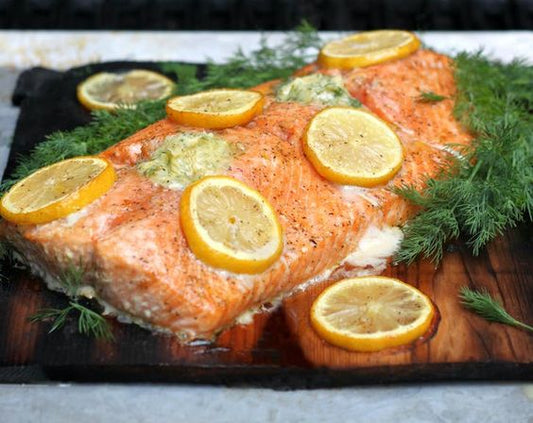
(132, 248)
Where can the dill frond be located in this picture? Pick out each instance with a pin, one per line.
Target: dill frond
(430, 97)
(266, 63)
(247, 70)
(71, 279)
(90, 323)
(186, 75)
(491, 187)
(481, 302)
(58, 317)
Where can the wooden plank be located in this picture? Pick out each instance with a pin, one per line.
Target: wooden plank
(280, 347)
(462, 346)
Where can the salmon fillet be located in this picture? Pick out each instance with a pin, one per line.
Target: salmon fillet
(134, 252)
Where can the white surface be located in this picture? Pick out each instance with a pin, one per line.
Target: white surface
(160, 403)
(462, 402)
(64, 49)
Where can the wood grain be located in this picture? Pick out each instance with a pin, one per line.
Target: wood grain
(281, 347)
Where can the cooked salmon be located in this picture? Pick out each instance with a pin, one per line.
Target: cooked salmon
(132, 247)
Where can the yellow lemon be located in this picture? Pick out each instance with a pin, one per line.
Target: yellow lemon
(371, 313)
(216, 109)
(353, 147)
(229, 225)
(368, 48)
(57, 190)
(108, 91)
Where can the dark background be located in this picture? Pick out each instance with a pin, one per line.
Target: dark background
(266, 14)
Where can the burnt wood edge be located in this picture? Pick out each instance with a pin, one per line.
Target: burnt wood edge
(269, 376)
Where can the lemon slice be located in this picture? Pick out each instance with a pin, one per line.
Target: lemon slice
(216, 109)
(353, 147)
(57, 190)
(371, 313)
(108, 91)
(368, 48)
(229, 225)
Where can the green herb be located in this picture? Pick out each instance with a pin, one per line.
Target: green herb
(186, 75)
(90, 323)
(316, 89)
(481, 302)
(71, 279)
(59, 317)
(489, 186)
(430, 97)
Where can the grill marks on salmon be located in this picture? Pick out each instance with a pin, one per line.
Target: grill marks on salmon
(133, 249)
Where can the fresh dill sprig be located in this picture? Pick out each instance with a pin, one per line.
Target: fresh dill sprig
(58, 317)
(481, 302)
(186, 75)
(430, 97)
(71, 279)
(266, 63)
(90, 323)
(488, 187)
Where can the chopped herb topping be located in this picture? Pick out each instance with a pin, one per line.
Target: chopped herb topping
(317, 89)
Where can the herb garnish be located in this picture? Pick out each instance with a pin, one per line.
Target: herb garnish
(489, 186)
(430, 97)
(481, 302)
(89, 322)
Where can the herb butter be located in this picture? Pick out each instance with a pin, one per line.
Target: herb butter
(316, 89)
(186, 157)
